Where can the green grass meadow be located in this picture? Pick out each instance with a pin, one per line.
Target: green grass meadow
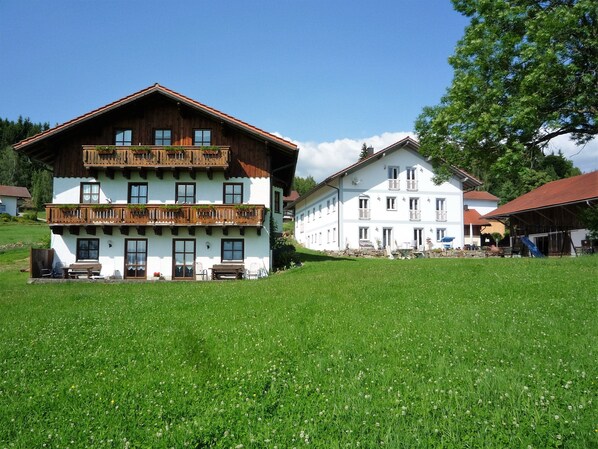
(340, 353)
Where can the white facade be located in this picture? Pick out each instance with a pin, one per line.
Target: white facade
(8, 205)
(388, 200)
(160, 253)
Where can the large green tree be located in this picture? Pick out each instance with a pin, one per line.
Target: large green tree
(16, 168)
(303, 185)
(524, 72)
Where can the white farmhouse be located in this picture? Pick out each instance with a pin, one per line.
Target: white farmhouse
(387, 200)
(158, 184)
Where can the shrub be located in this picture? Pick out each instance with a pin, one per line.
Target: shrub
(284, 254)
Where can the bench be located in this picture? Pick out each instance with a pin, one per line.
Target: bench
(77, 269)
(227, 271)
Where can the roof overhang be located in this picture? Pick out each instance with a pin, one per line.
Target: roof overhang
(38, 147)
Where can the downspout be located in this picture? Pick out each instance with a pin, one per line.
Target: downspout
(338, 215)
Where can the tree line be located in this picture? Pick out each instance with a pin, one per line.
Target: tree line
(16, 169)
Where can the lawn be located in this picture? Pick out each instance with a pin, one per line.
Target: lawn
(338, 353)
(23, 233)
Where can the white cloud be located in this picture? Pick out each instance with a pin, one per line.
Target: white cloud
(323, 159)
(584, 157)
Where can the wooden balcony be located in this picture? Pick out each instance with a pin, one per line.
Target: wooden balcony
(155, 215)
(156, 157)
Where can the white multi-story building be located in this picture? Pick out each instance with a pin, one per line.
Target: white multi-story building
(157, 183)
(387, 200)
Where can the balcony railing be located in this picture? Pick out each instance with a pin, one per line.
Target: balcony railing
(412, 185)
(364, 214)
(415, 215)
(440, 215)
(155, 215)
(393, 184)
(155, 156)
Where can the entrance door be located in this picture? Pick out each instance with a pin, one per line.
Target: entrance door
(386, 238)
(136, 258)
(183, 259)
(418, 238)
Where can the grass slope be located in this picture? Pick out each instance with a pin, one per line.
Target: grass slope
(338, 353)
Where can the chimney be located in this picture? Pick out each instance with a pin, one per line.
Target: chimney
(370, 150)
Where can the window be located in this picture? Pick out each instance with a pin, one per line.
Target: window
(320, 238)
(411, 179)
(233, 193)
(328, 236)
(137, 193)
(320, 211)
(418, 237)
(333, 204)
(327, 206)
(277, 201)
(391, 203)
(185, 193)
(88, 249)
(364, 233)
(202, 137)
(308, 216)
(334, 234)
(162, 137)
(135, 258)
(232, 250)
(440, 234)
(414, 212)
(387, 240)
(364, 208)
(90, 192)
(440, 209)
(393, 178)
(183, 259)
(123, 137)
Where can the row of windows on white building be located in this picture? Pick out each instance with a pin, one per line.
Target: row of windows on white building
(317, 238)
(365, 211)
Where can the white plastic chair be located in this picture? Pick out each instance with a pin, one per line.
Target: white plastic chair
(200, 272)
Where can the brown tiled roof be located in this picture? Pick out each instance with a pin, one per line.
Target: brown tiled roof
(18, 192)
(556, 193)
(473, 217)
(292, 197)
(149, 90)
(479, 195)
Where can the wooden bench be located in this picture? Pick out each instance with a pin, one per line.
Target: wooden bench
(77, 269)
(227, 271)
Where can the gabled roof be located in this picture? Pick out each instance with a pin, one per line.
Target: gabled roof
(473, 217)
(479, 195)
(156, 88)
(468, 180)
(14, 191)
(291, 197)
(556, 193)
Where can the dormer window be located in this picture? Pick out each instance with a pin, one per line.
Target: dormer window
(202, 137)
(123, 137)
(162, 137)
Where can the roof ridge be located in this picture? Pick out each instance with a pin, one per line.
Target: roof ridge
(154, 88)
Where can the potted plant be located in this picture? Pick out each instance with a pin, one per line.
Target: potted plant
(137, 210)
(105, 150)
(141, 150)
(245, 210)
(175, 151)
(69, 210)
(204, 210)
(101, 206)
(210, 151)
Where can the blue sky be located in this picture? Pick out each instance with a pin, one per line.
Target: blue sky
(328, 75)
